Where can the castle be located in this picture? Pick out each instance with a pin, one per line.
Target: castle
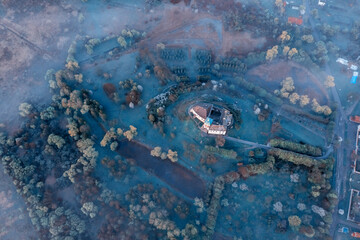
(214, 120)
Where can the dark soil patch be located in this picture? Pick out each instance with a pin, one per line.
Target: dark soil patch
(174, 174)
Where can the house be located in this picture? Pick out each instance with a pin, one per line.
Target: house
(211, 119)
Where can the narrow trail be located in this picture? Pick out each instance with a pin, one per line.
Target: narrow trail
(5, 24)
(329, 150)
(254, 144)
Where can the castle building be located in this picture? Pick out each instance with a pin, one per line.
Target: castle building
(211, 119)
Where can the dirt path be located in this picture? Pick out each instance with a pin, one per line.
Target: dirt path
(6, 24)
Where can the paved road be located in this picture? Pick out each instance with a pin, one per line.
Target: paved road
(329, 150)
(340, 125)
(349, 110)
(349, 223)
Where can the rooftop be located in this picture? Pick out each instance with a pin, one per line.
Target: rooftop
(216, 120)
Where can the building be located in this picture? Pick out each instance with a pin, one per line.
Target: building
(322, 2)
(355, 119)
(294, 10)
(211, 119)
(354, 77)
(350, 66)
(295, 20)
(342, 61)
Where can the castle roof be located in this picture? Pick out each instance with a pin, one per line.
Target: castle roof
(201, 111)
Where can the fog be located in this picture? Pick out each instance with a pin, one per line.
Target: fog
(120, 77)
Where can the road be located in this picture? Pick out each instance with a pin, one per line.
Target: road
(349, 110)
(339, 130)
(329, 150)
(348, 223)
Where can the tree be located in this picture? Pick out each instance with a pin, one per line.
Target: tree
(327, 110)
(288, 84)
(287, 87)
(304, 100)
(121, 40)
(156, 152)
(284, 94)
(55, 140)
(113, 146)
(79, 78)
(172, 155)
(279, 4)
(130, 134)
(286, 50)
(89, 209)
(72, 66)
(110, 135)
(319, 54)
(329, 82)
(316, 106)
(73, 129)
(294, 97)
(308, 38)
(271, 53)
(292, 52)
(25, 109)
(284, 37)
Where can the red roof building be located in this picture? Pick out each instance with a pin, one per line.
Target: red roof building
(295, 20)
(201, 112)
(216, 120)
(355, 119)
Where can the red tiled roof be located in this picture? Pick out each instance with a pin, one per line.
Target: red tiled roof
(355, 119)
(295, 20)
(203, 112)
